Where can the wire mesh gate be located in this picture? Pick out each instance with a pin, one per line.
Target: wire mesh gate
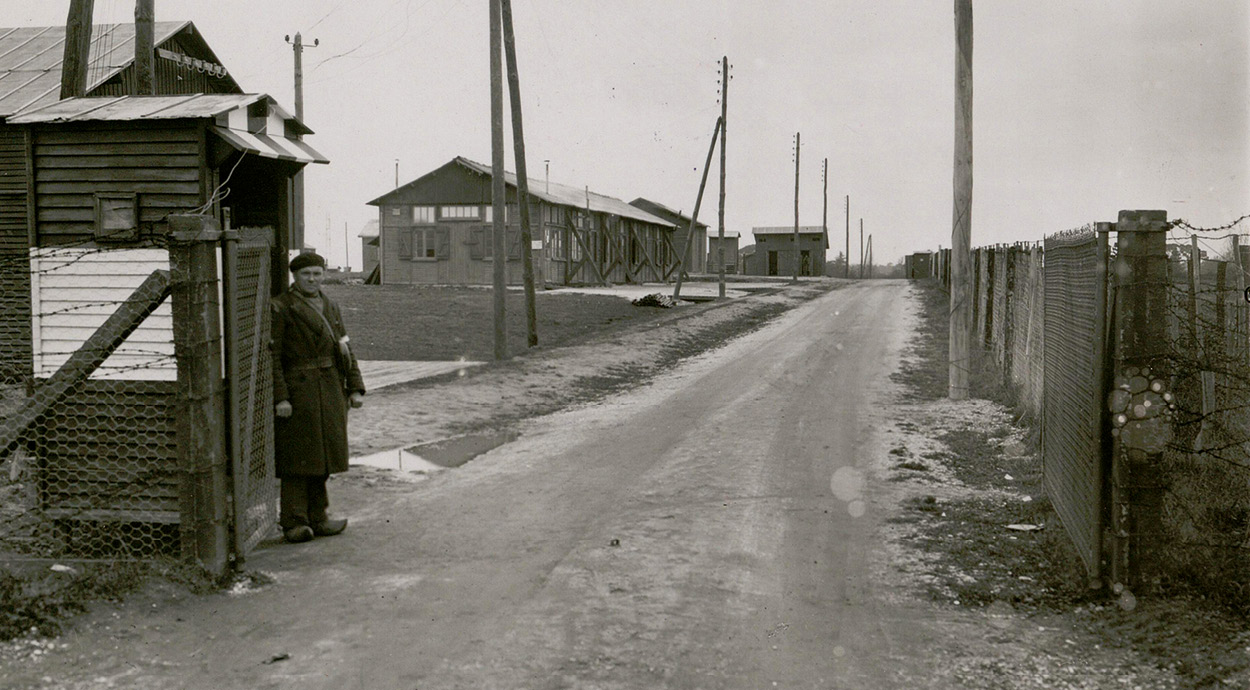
(1074, 385)
(250, 399)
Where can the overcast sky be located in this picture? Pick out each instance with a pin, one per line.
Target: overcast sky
(1080, 109)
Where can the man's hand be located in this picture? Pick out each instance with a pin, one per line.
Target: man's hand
(283, 409)
(356, 399)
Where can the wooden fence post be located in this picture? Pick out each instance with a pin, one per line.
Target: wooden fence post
(1139, 400)
(200, 396)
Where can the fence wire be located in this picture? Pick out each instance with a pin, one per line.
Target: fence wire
(94, 475)
(1207, 499)
(1073, 387)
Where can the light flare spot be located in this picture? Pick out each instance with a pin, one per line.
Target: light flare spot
(856, 508)
(847, 483)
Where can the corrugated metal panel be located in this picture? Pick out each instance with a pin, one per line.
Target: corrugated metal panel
(572, 196)
(73, 292)
(30, 60)
(129, 108)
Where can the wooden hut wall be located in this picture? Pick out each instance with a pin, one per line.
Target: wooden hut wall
(15, 352)
(161, 163)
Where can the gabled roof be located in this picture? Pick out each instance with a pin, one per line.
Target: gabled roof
(789, 230)
(31, 57)
(277, 138)
(563, 195)
(370, 229)
(657, 209)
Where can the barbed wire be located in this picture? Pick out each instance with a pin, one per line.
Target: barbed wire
(1182, 223)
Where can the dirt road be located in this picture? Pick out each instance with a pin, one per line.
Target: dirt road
(714, 529)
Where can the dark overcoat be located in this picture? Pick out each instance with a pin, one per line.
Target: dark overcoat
(311, 373)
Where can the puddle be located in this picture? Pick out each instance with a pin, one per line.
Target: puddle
(454, 452)
(436, 455)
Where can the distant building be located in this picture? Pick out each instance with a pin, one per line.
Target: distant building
(918, 265)
(437, 229)
(731, 253)
(744, 256)
(775, 252)
(698, 248)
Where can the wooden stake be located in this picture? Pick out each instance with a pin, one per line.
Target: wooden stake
(724, 132)
(498, 205)
(796, 206)
(961, 226)
(145, 79)
(522, 176)
(694, 217)
(824, 218)
(77, 49)
(848, 237)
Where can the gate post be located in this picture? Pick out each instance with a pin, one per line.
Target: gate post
(199, 400)
(1140, 399)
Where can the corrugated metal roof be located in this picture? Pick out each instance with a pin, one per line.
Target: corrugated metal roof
(137, 107)
(30, 60)
(370, 229)
(572, 196)
(655, 207)
(786, 230)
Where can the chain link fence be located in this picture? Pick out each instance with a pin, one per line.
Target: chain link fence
(88, 419)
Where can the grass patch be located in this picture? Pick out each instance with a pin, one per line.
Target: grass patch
(440, 323)
(923, 373)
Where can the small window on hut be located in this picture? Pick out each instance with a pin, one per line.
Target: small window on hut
(423, 214)
(116, 217)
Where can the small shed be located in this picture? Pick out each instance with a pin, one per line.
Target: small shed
(104, 178)
(30, 78)
(775, 253)
(369, 246)
(919, 265)
(731, 252)
(437, 230)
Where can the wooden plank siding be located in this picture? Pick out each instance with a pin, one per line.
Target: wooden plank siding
(15, 352)
(160, 162)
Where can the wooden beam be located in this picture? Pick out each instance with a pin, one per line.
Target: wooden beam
(145, 79)
(960, 357)
(77, 49)
(568, 222)
(86, 359)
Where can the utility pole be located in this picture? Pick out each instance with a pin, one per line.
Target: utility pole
(145, 79)
(347, 250)
(694, 217)
(961, 225)
(796, 206)
(522, 176)
(824, 218)
(870, 255)
(297, 182)
(396, 173)
(77, 49)
(724, 126)
(848, 237)
(499, 244)
(861, 248)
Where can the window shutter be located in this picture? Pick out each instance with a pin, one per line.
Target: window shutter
(444, 243)
(405, 243)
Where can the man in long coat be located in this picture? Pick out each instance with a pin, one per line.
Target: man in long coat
(315, 378)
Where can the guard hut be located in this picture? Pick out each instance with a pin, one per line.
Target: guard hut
(919, 265)
(121, 461)
(30, 77)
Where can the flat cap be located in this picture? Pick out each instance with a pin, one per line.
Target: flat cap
(307, 259)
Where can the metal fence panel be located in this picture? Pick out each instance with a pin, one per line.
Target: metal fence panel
(252, 400)
(1027, 366)
(1071, 433)
(95, 474)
